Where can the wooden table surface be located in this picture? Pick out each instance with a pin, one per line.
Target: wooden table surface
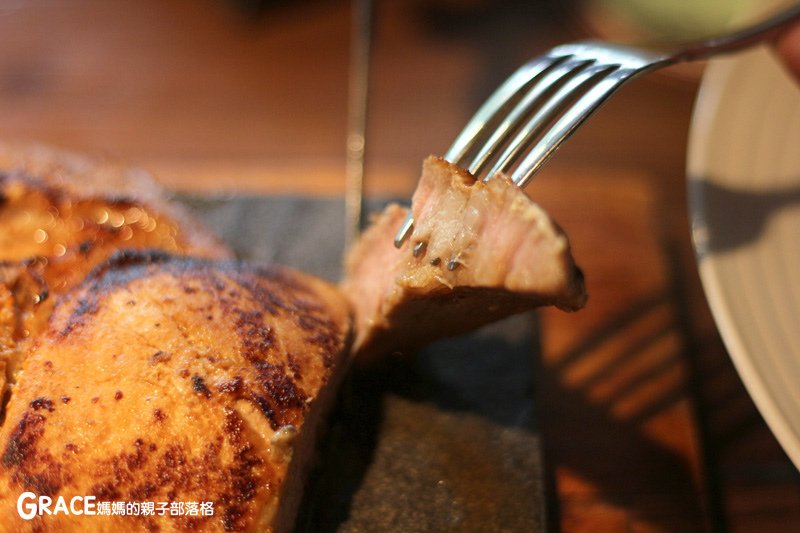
(645, 422)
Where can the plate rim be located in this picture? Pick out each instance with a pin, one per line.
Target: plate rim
(717, 79)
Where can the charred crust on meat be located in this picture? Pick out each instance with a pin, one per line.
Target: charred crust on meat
(136, 460)
(143, 492)
(127, 266)
(143, 473)
(278, 397)
(327, 341)
(84, 307)
(30, 468)
(228, 469)
(232, 386)
(159, 356)
(41, 482)
(118, 271)
(199, 386)
(105, 491)
(85, 247)
(42, 403)
(126, 259)
(244, 483)
(283, 395)
(294, 366)
(282, 277)
(22, 442)
(231, 517)
(257, 338)
(5, 397)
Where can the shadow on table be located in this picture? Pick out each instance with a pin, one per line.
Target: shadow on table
(604, 401)
(597, 403)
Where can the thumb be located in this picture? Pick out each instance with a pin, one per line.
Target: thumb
(788, 47)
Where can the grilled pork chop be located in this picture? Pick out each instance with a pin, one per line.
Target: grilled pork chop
(168, 379)
(66, 207)
(160, 378)
(60, 215)
(479, 251)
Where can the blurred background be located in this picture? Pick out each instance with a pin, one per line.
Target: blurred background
(183, 84)
(645, 424)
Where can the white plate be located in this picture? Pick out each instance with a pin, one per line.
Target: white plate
(744, 172)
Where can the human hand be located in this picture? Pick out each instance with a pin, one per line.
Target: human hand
(788, 48)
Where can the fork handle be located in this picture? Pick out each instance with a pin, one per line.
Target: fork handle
(743, 38)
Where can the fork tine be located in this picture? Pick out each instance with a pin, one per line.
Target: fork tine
(500, 99)
(522, 109)
(405, 230)
(568, 123)
(557, 103)
(573, 73)
(615, 63)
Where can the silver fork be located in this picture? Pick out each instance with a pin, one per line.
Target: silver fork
(538, 107)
